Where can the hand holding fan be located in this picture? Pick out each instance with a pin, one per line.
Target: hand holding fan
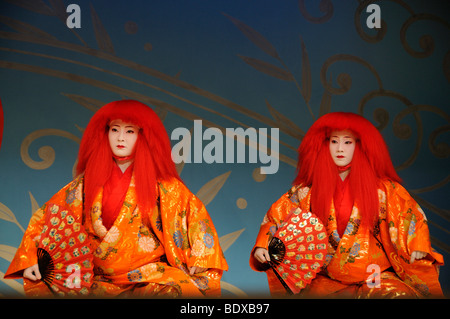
(64, 255)
(298, 249)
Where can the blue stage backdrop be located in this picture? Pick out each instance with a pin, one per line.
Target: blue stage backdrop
(269, 66)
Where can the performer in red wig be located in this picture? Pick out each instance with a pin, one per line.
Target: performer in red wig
(149, 234)
(379, 245)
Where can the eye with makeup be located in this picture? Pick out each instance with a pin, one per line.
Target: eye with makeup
(129, 131)
(335, 141)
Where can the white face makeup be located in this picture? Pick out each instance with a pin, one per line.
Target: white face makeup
(342, 147)
(122, 137)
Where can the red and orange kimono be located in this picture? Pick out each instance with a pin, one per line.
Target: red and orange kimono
(361, 263)
(132, 258)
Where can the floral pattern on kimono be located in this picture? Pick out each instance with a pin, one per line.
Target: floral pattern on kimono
(70, 197)
(133, 257)
(401, 229)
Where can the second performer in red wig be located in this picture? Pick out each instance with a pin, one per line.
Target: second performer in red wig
(379, 245)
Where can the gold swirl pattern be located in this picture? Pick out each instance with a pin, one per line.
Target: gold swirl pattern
(325, 6)
(46, 153)
(426, 42)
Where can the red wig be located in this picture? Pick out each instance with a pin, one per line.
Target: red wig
(152, 155)
(371, 163)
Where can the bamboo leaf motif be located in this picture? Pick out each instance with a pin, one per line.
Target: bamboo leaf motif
(87, 102)
(268, 68)
(306, 74)
(25, 28)
(7, 252)
(208, 191)
(439, 244)
(102, 36)
(227, 240)
(34, 204)
(59, 9)
(257, 38)
(8, 215)
(325, 103)
(179, 167)
(284, 74)
(285, 123)
(37, 6)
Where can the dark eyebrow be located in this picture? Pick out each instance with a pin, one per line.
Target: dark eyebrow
(128, 126)
(347, 136)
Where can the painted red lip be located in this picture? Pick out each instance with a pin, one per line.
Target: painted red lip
(120, 146)
(340, 156)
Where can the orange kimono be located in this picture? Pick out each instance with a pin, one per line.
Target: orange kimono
(361, 263)
(133, 259)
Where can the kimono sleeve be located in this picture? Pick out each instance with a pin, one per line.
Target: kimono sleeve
(271, 221)
(26, 254)
(190, 237)
(403, 231)
(205, 250)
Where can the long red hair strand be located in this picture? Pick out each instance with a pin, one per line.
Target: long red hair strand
(371, 163)
(152, 158)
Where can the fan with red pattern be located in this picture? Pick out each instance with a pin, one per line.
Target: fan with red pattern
(65, 258)
(298, 250)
